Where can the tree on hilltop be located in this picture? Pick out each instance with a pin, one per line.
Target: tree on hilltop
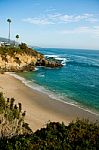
(17, 37)
(9, 21)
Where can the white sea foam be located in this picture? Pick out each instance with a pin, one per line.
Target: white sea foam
(57, 57)
(16, 76)
(36, 68)
(41, 75)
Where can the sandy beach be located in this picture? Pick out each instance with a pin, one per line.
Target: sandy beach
(39, 107)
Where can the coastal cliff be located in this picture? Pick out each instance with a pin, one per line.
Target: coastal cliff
(23, 58)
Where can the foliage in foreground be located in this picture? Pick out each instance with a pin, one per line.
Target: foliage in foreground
(78, 135)
(11, 118)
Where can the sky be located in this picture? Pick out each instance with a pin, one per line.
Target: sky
(52, 23)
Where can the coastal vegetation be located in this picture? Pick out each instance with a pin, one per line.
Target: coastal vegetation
(12, 118)
(15, 134)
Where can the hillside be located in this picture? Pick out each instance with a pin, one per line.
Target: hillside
(23, 58)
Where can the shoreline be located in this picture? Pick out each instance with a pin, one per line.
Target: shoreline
(51, 95)
(39, 107)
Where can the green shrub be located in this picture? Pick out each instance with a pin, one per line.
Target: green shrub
(78, 135)
(2, 102)
(12, 118)
(23, 48)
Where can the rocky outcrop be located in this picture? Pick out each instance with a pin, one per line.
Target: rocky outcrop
(49, 63)
(23, 59)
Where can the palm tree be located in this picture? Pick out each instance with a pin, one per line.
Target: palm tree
(9, 21)
(17, 37)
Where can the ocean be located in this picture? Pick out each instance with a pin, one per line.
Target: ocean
(77, 82)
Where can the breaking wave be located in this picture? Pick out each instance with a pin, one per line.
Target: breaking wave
(62, 59)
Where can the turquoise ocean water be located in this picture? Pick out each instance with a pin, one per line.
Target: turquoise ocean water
(77, 82)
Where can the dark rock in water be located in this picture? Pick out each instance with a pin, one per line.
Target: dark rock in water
(52, 63)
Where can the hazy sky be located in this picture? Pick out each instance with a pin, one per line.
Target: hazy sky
(52, 23)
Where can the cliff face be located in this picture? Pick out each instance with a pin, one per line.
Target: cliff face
(16, 62)
(18, 59)
(23, 58)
